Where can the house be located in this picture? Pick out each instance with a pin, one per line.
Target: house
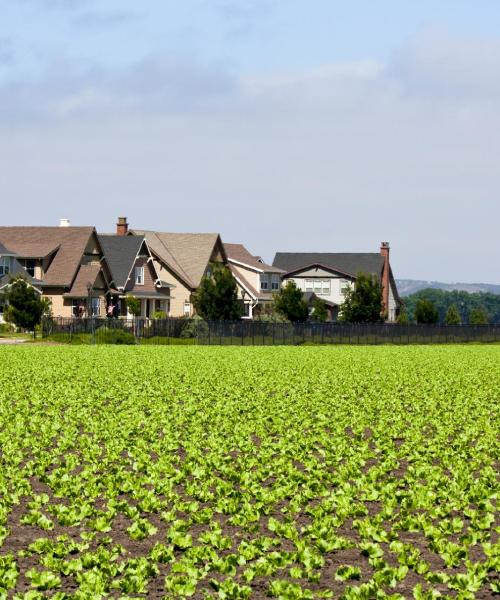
(257, 281)
(9, 268)
(67, 264)
(181, 260)
(134, 273)
(330, 275)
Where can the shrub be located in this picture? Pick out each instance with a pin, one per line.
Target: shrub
(116, 336)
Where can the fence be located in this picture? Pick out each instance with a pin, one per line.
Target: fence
(256, 333)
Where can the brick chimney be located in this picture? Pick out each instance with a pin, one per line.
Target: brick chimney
(122, 226)
(384, 251)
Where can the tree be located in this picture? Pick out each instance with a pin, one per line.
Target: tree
(290, 302)
(25, 305)
(403, 317)
(426, 312)
(133, 305)
(478, 316)
(319, 313)
(217, 296)
(452, 316)
(363, 304)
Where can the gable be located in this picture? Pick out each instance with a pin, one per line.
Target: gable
(318, 271)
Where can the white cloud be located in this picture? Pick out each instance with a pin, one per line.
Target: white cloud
(338, 158)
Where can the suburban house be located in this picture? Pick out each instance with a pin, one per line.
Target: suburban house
(67, 264)
(134, 273)
(257, 281)
(9, 268)
(329, 275)
(181, 260)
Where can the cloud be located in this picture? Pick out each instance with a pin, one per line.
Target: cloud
(436, 64)
(156, 85)
(335, 158)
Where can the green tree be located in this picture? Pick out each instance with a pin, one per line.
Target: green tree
(25, 305)
(363, 304)
(217, 296)
(403, 317)
(452, 316)
(133, 305)
(426, 312)
(319, 313)
(290, 302)
(478, 316)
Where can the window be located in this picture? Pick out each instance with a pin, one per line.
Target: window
(264, 281)
(309, 285)
(139, 275)
(326, 287)
(4, 265)
(345, 286)
(29, 266)
(96, 306)
(275, 282)
(187, 309)
(78, 308)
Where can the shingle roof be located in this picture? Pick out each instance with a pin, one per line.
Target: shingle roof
(18, 269)
(348, 263)
(120, 252)
(5, 251)
(239, 253)
(87, 274)
(38, 242)
(187, 254)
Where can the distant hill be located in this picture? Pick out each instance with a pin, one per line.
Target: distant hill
(406, 287)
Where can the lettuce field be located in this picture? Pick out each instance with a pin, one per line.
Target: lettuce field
(232, 473)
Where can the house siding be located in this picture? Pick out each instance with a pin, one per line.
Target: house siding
(180, 293)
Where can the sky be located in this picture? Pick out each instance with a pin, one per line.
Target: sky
(292, 125)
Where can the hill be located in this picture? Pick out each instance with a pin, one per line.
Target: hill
(406, 287)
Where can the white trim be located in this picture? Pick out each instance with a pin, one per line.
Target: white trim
(241, 264)
(238, 280)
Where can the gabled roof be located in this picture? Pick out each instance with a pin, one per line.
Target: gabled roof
(87, 274)
(187, 254)
(5, 252)
(239, 254)
(18, 269)
(66, 243)
(346, 263)
(121, 252)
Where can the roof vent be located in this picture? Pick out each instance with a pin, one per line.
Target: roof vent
(64, 222)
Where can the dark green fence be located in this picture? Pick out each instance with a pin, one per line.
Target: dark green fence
(256, 333)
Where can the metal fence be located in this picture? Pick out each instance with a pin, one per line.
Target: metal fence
(256, 333)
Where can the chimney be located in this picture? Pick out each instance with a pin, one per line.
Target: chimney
(384, 251)
(64, 222)
(122, 226)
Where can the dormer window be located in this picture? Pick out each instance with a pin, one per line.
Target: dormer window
(4, 265)
(29, 267)
(139, 275)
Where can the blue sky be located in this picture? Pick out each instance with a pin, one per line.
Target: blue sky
(300, 125)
